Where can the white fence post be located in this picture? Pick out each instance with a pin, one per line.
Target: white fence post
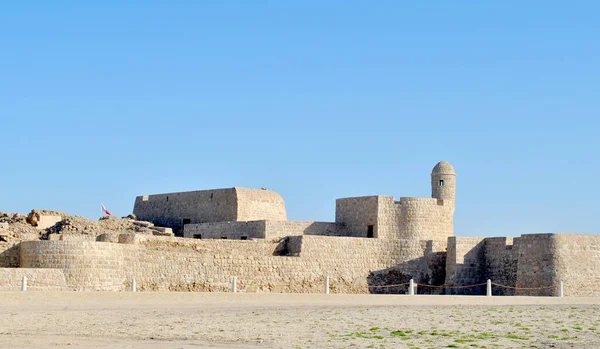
(560, 289)
(133, 285)
(24, 284)
(489, 288)
(326, 286)
(234, 285)
(411, 287)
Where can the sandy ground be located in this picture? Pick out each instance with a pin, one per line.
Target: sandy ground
(225, 320)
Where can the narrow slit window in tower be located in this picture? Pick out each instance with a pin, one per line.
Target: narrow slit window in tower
(441, 182)
(370, 231)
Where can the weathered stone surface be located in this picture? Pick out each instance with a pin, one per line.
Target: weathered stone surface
(412, 238)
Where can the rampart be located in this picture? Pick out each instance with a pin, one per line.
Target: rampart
(261, 230)
(174, 210)
(163, 263)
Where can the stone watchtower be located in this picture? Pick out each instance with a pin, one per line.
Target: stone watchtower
(443, 183)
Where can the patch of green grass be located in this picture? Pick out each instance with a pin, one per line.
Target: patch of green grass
(518, 324)
(362, 335)
(485, 335)
(564, 330)
(578, 328)
(452, 346)
(398, 333)
(516, 336)
(373, 329)
(553, 336)
(462, 340)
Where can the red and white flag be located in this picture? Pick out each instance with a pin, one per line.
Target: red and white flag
(104, 209)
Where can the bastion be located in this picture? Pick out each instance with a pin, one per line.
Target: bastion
(375, 244)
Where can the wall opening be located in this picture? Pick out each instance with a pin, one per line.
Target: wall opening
(370, 229)
(441, 182)
(186, 221)
(223, 237)
(167, 199)
(244, 238)
(197, 236)
(212, 195)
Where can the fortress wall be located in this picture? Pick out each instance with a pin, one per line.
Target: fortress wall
(9, 254)
(578, 264)
(230, 230)
(537, 264)
(202, 206)
(254, 204)
(501, 259)
(357, 214)
(37, 279)
(86, 265)
(388, 218)
(464, 264)
(176, 264)
(279, 229)
(425, 219)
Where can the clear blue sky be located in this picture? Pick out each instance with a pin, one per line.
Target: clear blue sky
(316, 100)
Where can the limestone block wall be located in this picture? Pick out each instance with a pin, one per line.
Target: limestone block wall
(279, 229)
(87, 265)
(167, 263)
(425, 219)
(9, 254)
(357, 214)
(501, 259)
(218, 205)
(465, 264)
(201, 206)
(254, 204)
(262, 229)
(37, 279)
(537, 264)
(389, 220)
(578, 263)
(229, 230)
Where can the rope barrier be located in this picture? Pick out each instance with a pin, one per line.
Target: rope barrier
(444, 286)
(524, 288)
(386, 286)
(466, 286)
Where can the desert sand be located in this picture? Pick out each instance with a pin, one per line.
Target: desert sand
(226, 320)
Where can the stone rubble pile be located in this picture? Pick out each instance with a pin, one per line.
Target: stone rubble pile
(15, 226)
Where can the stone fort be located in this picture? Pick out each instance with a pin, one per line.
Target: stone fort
(374, 243)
